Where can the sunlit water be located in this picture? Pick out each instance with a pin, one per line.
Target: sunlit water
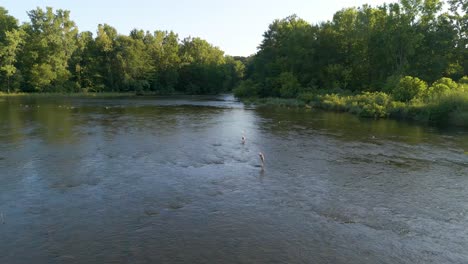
(168, 181)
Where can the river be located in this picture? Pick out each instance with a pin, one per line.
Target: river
(167, 180)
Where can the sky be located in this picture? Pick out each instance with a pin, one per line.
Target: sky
(236, 26)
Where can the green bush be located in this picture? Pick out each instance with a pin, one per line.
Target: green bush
(436, 91)
(439, 88)
(370, 104)
(192, 88)
(463, 84)
(450, 107)
(289, 85)
(282, 102)
(307, 97)
(408, 87)
(367, 104)
(391, 83)
(333, 102)
(463, 80)
(138, 86)
(397, 109)
(452, 85)
(70, 87)
(246, 89)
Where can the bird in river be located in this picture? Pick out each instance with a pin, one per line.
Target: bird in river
(243, 139)
(262, 158)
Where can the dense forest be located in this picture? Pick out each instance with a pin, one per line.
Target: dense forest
(49, 54)
(362, 49)
(405, 59)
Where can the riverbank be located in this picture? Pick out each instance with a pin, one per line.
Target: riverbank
(89, 94)
(94, 95)
(107, 94)
(451, 109)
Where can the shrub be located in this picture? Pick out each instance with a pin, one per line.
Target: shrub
(436, 91)
(448, 106)
(70, 87)
(408, 87)
(397, 109)
(246, 89)
(307, 97)
(463, 83)
(282, 102)
(136, 85)
(452, 85)
(192, 88)
(439, 88)
(463, 80)
(367, 104)
(370, 104)
(391, 83)
(333, 102)
(289, 85)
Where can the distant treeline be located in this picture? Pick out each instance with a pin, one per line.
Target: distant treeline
(49, 54)
(365, 49)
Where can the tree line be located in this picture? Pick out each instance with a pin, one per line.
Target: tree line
(50, 54)
(389, 48)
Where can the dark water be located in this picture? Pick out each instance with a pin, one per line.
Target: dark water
(168, 181)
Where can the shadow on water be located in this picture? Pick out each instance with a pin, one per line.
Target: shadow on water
(167, 180)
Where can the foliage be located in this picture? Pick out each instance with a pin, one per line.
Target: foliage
(449, 108)
(246, 89)
(289, 85)
(463, 80)
(49, 54)
(365, 49)
(50, 43)
(366, 104)
(370, 61)
(449, 83)
(438, 89)
(408, 87)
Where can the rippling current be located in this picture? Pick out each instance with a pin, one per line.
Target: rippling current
(167, 180)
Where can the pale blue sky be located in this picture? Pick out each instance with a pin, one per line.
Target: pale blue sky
(235, 26)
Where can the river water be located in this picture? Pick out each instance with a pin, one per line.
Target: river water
(167, 180)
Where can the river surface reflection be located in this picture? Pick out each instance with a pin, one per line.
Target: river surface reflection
(167, 180)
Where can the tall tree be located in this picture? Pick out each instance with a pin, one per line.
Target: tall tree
(105, 52)
(459, 17)
(51, 41)
(8, 55)
(11, 38)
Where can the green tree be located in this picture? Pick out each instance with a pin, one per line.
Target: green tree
(106, 56)
(289, 85)
(8, 55)
(11, 40)
(83, 64)
(163, 49)
(50, 43)
(202, 67)
(408, 88)
(459, 18)
(7, 23)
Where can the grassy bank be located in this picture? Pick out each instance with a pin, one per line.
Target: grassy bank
(88, 94)
(107, 94)
(448, 109)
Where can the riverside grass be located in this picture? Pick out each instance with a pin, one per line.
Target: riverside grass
(88, 94)
(106, 94)
(449, 109)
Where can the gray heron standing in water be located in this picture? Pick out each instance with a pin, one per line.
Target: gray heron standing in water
(262, 158)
